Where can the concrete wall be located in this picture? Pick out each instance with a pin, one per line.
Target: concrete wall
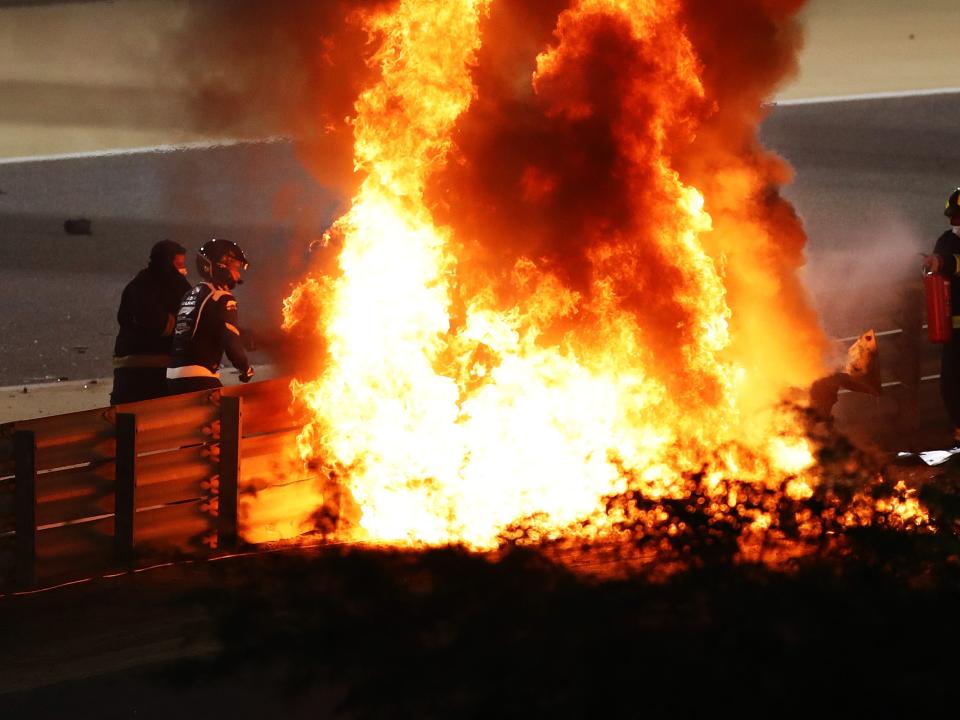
(866, 46)
(88, 76)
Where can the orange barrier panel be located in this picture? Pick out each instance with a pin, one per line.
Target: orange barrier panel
(75, 493)
(175, 421)
(74, 551)
(278, 496)
(173, 476)
(66, 483)
(73, 439)
(280, 512)
(269, 460)
(185, 528)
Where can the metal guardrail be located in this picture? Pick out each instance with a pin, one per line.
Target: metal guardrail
(116, 486)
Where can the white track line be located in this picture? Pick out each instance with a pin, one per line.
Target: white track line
(162, 149)
(893, 95)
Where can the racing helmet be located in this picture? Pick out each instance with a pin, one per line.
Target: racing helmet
(216, 258)
(953, 203)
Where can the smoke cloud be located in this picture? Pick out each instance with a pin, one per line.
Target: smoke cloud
(844, 281)
(553, 162)
(290, 69)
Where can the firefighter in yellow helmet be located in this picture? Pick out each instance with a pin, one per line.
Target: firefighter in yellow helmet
(946, 260)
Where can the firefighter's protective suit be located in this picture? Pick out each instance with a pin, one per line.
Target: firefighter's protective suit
(947, 254)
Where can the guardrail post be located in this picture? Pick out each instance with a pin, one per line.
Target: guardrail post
(25, 469)
(231, 431)
(125, 488)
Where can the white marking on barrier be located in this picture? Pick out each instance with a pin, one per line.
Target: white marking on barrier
(884, 333)
(893, 383)
(68, 523)
(891, 95)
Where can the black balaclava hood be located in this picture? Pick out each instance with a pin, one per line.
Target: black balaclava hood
(162, 254)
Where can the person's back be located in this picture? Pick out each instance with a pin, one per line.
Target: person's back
(146, 318)
(206, 324)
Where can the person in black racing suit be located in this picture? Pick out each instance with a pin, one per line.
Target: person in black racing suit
(147, 313)
(207, 322)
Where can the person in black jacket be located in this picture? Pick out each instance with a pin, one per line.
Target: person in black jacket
(207, 322)
(946, 260)
(148, 307)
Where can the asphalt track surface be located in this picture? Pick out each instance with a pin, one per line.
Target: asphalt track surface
(871, 176)
(59, 292)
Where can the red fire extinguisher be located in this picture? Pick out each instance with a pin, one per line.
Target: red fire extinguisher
(939, 319)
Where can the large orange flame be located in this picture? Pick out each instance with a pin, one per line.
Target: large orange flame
(502, 353)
